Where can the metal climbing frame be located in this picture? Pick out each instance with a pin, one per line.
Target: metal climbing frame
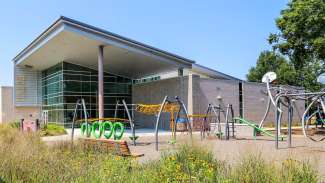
(130, 116)
(181, 105)
(79, 103)
(216, 111)
(168, 105)
(284, 97)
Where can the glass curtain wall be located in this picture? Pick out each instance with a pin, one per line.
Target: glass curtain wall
(65, 83)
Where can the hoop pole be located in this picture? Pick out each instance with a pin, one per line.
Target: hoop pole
(266, 112)
(73, 120)
(116, 108)
(130, 121)
(227, 124)
(158, 119)
(182, 105)
(232, 120)
(290, 114)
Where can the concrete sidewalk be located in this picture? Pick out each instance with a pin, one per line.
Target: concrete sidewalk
(142, 132)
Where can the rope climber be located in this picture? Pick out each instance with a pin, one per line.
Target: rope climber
(175, 107)
(153, 109)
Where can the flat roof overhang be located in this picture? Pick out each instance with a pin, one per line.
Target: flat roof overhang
(75, 42)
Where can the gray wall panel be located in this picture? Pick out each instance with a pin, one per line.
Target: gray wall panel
(153, 93)
(27, 87)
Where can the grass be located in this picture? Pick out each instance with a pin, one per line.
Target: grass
(53, 130)
(47, 130)
(25, 158)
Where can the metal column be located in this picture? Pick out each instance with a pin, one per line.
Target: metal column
(101, 81)
(290, 115)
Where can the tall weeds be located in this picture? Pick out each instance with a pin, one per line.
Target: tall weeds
(25, 158)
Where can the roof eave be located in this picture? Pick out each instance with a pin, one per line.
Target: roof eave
(214, 72)
(64, 20)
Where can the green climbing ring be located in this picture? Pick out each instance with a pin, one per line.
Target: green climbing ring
(96, 125)
(118, 135)
(107, 126)
(84, 129)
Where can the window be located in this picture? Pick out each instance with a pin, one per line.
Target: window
(65, 83)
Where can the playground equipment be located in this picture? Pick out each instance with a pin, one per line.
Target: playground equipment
(256, 128)
(89, 127)
(172, 106)
(167, 102)
(114, 129)
(108, 126)
(129, 115)
(280, 96)
(79, 103)
(213, 116)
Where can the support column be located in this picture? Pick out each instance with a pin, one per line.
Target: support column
(190, 94)
(101, 81)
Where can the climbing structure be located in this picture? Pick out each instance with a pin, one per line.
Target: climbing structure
(174, 106)
(213, 119)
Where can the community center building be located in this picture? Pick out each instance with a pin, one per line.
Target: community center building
(72, 60)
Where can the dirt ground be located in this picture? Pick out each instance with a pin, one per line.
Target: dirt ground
(232, 150)
(228, 150)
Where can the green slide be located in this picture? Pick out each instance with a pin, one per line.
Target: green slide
(256, 128)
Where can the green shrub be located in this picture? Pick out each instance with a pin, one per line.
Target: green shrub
(189, 164)
(300, 172)
(53, 130)
(252, 168)
(15, 124)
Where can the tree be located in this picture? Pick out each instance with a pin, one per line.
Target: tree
(302, 39)
(302, 31)
(271, 61)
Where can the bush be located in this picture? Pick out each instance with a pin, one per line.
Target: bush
(25, 158)
(189, 164)
(254, 168)
(53, 130)
(15, 124)
(295, 171)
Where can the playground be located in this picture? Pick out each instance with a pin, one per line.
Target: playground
(218, 130)
(230, 151)
(89, 105)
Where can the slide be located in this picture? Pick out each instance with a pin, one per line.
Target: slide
(256, 128)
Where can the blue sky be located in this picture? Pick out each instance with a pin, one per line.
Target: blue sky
(226, 35)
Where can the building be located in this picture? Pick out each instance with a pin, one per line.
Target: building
(72, 60)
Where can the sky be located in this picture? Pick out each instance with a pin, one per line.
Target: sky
(226, 35)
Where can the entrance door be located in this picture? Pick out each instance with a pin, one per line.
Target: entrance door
(45, 116)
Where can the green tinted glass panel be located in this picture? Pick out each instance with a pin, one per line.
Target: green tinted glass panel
(65, 83)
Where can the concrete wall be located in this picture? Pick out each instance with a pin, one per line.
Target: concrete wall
(154, 93)
(205, 91)
(212, 91)
(255, 102)
(10, 113)
(30, 113)
(7, 107)
(217, 92)
(27, 88)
